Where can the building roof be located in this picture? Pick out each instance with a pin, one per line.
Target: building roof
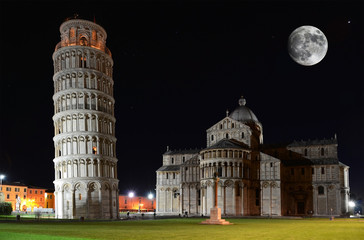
(243, 113)
(291, 158)
(342, 164)
(35, 187)
(169, 168)
(182, 151)
(325, 161)
(14, 184)
(228, 143)
(314, 142)
(192, 161)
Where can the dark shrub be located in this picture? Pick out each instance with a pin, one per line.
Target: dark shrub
(5, 208)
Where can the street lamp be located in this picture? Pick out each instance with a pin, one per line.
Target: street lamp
(352, 205)
(1, 188)
(130, 196)
(150, 196)
(2, 176)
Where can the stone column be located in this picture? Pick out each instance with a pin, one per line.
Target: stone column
(242, 198)
(60, 207)
(189, 199)
(100, 200)
(217, 179)
(223, 196)
(215, 212)
(233, 199)
(171, 200)
(56, 201)
(181, 200)
(315, 200)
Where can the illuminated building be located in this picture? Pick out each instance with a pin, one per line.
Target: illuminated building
(35, 197)
(49, 199)
(136, 203)
(85, 163)
(12, 191)
(30, 196)
(303, 178)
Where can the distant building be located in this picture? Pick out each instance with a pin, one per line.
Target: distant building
(302, 178)
(30, 196)
(36, 197)
(85, 163)
(12, 191)
(136, 204)
(49, 198)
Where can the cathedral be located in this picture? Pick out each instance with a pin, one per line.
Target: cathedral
(302, 178)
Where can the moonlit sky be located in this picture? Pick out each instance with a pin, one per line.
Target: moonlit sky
(178, 66)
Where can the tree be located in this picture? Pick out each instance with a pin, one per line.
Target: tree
(5, 208)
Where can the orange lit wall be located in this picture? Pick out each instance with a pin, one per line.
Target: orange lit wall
(49, 200)
(38, 195)
(132, 204)
(12, 191)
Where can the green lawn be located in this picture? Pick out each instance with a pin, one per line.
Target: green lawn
(186, 229)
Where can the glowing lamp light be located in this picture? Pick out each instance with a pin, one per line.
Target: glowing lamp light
(150, 196)
(131, 194)
(2, 176)
(351, 204)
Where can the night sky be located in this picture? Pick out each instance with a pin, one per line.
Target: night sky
(178, 66)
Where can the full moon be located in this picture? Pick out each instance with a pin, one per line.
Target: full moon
(307, 45)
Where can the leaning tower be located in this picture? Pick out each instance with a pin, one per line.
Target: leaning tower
(85, 163)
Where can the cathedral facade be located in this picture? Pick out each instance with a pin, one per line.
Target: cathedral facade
(303, 178)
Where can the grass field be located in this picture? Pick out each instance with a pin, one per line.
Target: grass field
(185, 229)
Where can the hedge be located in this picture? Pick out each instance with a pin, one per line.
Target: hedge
(5, 208)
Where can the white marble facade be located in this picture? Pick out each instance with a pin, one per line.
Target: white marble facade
(85, 162)
(301, 178)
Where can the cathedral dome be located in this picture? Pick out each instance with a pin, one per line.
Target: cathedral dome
(243, 113)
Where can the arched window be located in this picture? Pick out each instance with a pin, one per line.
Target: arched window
(220, 126)
(321, 190)
(305, 151)
(242, 135)
(227, 135)
(322, 152)
(232, 125)
(83, 41)
(172, 160)
(72, 32)
(212, 137)
(219, 171)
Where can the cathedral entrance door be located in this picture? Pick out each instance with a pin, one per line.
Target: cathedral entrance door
(300, 207)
